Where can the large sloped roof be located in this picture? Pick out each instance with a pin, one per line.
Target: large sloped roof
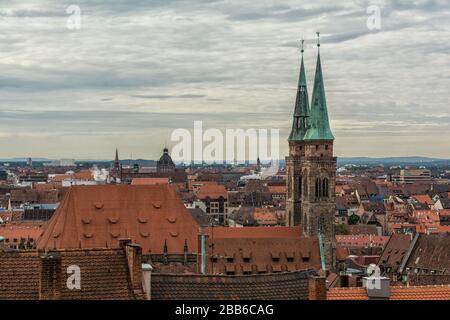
(282, 286)
(98, 216)
(104, 274)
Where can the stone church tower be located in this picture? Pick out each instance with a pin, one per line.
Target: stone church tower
(311, 167)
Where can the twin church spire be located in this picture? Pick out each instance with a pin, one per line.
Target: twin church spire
(311, 123)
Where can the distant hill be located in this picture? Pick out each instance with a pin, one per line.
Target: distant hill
(415, 160)
(25, 160)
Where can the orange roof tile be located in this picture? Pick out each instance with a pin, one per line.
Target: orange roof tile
(361, 240)
(212, 191)
(20, 274)
(277, 189)
(254, 232)
(97, 216)
(423, 198)
(14, 231)
(149, 181)
(438, 292)
(265, 216)
(61, 177)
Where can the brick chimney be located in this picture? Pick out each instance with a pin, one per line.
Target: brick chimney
(317, 288)
(50, 276)
(147, 280)
(133, 253)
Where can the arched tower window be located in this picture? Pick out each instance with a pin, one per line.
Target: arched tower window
(305, 186)
(325, 187)
(318, 187)
(299, 185)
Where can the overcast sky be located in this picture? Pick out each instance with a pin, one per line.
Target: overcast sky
(137, 70)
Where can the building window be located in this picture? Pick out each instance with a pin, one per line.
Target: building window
(214, 207)
(318, 187)
(317, 147)
(305, 186)
(326, 147)
(299, 185)
(325, 187)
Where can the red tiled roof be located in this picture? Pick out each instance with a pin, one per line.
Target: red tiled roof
(439, 292)
(265, 216)
(258, 245)
(149, 181)
(423, 198)
(341, 253)
(361, 240)
(61, 177)
(394, 251)
(277, 189)
(212, 191)
(19, 231)
(254, 232)
(281, 286)
(97, 216)
(81, 175)
(104, 274)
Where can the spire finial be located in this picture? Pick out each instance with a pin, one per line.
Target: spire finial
(318, 39)
(302, 50)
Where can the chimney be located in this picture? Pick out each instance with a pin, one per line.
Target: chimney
(317, 288)
(50, 276)
(147, 279)
(133, 254)
(202, 247)
(378, 288)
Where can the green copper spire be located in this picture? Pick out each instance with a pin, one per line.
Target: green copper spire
(301, 111)
(319, 125)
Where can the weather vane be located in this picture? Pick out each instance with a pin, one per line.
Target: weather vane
(302, 47)
(318, 38)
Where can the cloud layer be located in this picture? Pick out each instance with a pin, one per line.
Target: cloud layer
(138, 69)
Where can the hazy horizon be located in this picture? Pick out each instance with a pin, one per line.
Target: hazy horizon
(136, 70)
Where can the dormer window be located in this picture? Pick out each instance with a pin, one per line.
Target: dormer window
(275, 257)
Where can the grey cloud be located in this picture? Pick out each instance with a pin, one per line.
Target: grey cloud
(162, 97)
(138, 69)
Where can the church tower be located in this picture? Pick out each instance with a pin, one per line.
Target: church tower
(311, 166)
